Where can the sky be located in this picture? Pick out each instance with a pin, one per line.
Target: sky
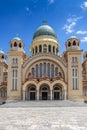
(21, 18)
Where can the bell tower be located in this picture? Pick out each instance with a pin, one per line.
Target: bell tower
(3, 67)
(85, 64)
(74, 68)
(16, 57)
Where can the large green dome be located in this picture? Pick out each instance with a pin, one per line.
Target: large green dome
(44, 30)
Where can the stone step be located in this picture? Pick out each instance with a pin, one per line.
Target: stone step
(59, 103)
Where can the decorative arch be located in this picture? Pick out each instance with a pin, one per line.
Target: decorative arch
(60, 82)
(36, 58)
(28, 83)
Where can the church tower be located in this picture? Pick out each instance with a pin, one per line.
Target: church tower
(85, 64)
(74, 68)
(16, 57)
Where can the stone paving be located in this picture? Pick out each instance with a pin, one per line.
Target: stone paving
(23, 116)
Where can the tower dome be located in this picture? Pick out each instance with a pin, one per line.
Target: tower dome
(2, 56)
(16, 44)
(44, 30)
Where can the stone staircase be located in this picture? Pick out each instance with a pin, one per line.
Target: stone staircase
(27, 104)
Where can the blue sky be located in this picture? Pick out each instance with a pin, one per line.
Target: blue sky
(22, 17)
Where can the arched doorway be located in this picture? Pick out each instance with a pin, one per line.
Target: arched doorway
(31, 92)
(57, 92)
(44, 92)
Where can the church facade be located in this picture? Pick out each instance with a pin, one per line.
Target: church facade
(45, 75)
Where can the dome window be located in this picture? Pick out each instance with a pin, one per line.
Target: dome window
(44, 48)
(36, 49)
(78, 43)
(53, 49)
(33, 50)
(86, 55)
(49, 48)
(15, 44)
(69, 44)
(40, 48)
(56, 50)
(2, 56)
(11, 45)
(74, 43)
(20, 45)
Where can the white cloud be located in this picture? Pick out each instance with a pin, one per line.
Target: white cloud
(51, 1)
(69, 28)
(74, 18)
(84, 5)
(73, 37)
(81, 32)
(71, 23)
(27, 9)
(84, 39)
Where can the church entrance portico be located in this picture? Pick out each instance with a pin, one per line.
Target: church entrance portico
(57, 92)
(44, 92)
(31, 92)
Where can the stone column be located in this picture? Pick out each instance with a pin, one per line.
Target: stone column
(37, 94)
(51, 95)
(65, 94)
(23, 95)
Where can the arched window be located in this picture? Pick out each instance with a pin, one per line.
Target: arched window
(20, 45)
(44, 48)
(74, 78)
(86, 55)
(33, 50)
(29, 74)
(11, 45)
(36, 49)
(60, 75)
(72, 59)
(40, 48)
(53, 49)
(32, 71)
(3, 92)
(44, 88)
(78, 43)
(13, 60)
(56, 88)
(56, 71)
(74, 43)
(2, 56)
(56, 50)
(75, 59)
(16, 60)
(52, 70)
(15, 44)
(32, 88)
(48, 67)
(49, 48)
(44, 69)
(14, 79)
(40, 69)
(37, 70)
(69, 44)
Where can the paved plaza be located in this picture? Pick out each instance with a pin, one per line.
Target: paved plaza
(57, 115)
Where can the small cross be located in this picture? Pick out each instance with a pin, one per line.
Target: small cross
(44, 21)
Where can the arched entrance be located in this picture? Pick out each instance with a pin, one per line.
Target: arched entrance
(31, 92)
(44, 92)
(57, 92)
